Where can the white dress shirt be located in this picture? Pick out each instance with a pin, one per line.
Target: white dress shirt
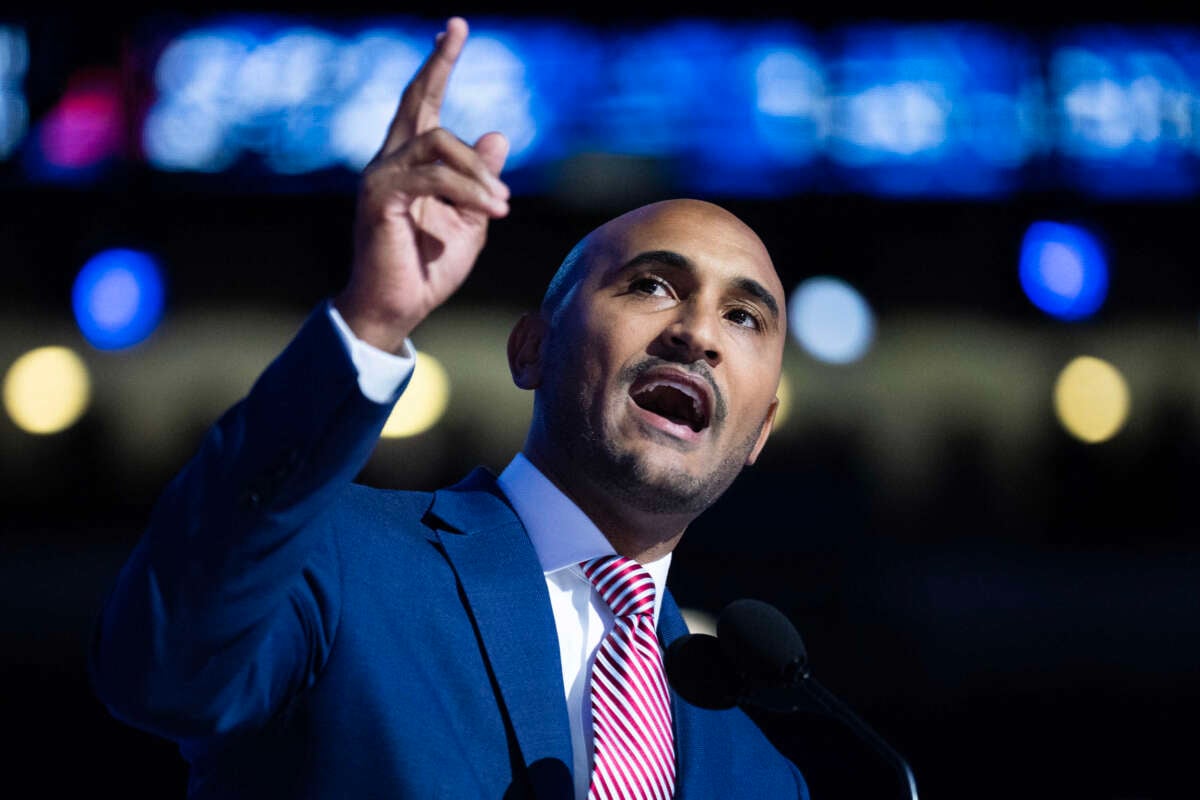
(562, 536)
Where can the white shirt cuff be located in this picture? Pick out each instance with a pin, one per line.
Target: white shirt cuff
(382, 376)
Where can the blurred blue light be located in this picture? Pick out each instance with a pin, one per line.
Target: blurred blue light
(300, 98)
(738, 108)
(831, 320)
(118, 298)
(382, 61)
(1063, 270)
(725, 108)
(1126, 103)
(14, 110)
(662, 90)
(791, 106)
(188, 126)
(770, 117)
(491, 89)
(937, 109)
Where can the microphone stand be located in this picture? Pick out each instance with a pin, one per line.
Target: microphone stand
(761, 665)
(829, 704)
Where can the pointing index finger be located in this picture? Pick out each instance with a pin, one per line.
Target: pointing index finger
(421, 104)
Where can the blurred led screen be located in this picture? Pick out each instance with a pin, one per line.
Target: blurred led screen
(947, 109)
(297, 98)
(750, 108)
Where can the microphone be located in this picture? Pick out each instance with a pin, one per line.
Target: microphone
(758, 659)
(696, 666)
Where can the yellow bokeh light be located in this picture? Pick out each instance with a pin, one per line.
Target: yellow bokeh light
(1091, 399)
(784, 393)
(423, 402)
(47, 390)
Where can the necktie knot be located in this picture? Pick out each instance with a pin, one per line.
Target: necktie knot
(622, 583)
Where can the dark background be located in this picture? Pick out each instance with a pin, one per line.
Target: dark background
(1030, 631)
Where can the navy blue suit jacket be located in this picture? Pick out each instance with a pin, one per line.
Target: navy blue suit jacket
(300, 635)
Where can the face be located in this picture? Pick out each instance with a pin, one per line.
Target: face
(657, 373)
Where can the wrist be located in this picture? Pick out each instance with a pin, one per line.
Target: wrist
(382, 330)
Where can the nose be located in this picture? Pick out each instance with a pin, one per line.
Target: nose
(692, 336)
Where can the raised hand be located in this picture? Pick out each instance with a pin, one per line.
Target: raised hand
(424, 204)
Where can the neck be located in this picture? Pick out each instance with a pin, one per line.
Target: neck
(642, 536)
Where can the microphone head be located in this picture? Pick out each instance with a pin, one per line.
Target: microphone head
(761, 643)
(697, 668)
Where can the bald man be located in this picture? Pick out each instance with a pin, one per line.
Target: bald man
(300, 635)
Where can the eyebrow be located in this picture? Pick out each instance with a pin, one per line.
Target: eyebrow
(670, 258)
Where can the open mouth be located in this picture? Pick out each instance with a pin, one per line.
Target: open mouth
(674, 396)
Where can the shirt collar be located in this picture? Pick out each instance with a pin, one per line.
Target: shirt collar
(562, 535)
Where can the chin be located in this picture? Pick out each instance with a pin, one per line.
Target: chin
(657, 483)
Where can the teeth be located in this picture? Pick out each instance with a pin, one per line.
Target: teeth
(681, 387)
(690, 391)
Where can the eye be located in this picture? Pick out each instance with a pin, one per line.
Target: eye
(649, 285)
(744, 318)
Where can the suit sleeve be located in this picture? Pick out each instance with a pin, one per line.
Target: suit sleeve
(229, 603)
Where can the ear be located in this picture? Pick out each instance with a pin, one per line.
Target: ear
(525, 351)
(764, 433)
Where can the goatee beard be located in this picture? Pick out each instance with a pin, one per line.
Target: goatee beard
(627, 476)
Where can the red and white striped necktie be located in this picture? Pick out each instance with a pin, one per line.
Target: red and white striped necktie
(631, 708)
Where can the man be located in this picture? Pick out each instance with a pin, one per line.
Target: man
(303, 636)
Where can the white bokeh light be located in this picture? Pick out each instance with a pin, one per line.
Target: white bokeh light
(831, 320)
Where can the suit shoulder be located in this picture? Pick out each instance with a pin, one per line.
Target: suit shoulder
(367, 511)
(396, 506)
(392, 499)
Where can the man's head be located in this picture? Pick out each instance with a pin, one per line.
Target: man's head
(655, 359)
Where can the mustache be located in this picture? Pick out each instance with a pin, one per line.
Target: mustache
(697, 368)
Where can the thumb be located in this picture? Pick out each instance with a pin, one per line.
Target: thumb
(493, 149)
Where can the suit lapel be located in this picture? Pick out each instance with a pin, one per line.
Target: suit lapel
(505, 589)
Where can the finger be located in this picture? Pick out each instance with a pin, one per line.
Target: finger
(450, 186)
(441, 145)
(493, 150)
(421, 104)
